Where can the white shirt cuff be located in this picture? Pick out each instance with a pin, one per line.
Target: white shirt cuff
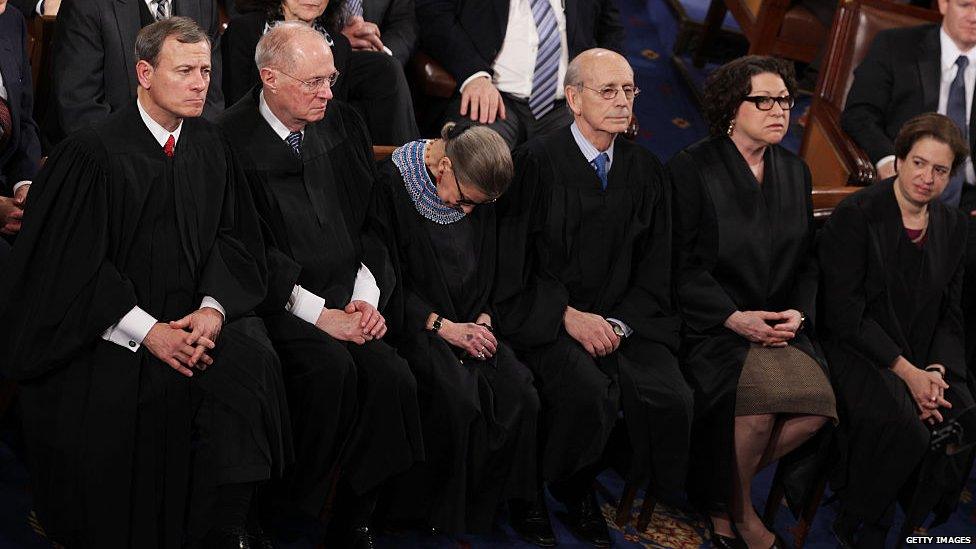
(305, 305)
(39, 8)
(20, 184)
(365, 288)
(884, 161)
(213, 304)
(131, 329)
(387, 50)
(478, 74)
(627, 330)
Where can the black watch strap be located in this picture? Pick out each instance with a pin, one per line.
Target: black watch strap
(436, 326)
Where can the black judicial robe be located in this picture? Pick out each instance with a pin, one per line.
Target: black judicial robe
(114, 223)
(479, 417)
(739, 245)
(884, 297)
(317, 210)
(565, 242)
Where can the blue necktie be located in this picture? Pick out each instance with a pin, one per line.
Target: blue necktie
(295, 140)
(956, 111)
(600, 163)
(354, 8)
(545, 79)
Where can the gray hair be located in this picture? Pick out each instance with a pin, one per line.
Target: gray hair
(149, 41)
(273, 48)
(479, 156)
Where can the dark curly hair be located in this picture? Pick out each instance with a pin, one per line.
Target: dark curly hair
(330, 20)
(732, 82)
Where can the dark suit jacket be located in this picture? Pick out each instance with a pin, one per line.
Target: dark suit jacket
(898, 79)
(94, 58)
(398, 25)
(28, 8)
(466, 35)
(20, 158)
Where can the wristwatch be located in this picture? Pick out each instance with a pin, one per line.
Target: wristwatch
(803, 321)
(436, 326)
(617, 329)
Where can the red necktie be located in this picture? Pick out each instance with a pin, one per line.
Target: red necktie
(170, 144)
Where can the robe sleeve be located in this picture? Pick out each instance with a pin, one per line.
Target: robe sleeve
(60, 289)
(703, 302)
(843, 252)
(804, 298)
(647, 305)
(529, 302)
(236, 272)
(948, 346)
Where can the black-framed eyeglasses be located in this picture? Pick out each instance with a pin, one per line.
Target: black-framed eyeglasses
(465, 201)
(611, 92)
(315, 84)
(766, 102)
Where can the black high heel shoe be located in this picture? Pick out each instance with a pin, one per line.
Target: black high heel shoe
(722, 542)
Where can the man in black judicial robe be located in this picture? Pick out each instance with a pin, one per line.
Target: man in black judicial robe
(584, 294)
(312, 178)
(140, 220)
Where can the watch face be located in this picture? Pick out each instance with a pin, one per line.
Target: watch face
(618, 330)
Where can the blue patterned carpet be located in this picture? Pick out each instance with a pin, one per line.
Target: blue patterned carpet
(669, 120)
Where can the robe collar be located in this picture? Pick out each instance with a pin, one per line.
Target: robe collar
(409, 159)
(159, 133)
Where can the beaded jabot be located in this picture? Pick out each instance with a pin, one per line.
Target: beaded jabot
(409, 159)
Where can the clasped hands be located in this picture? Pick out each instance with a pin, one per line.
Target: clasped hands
(770, 329)
(927, 388)
(592, 331)
(362, 34)
(475, 338)
(184, 344)
(357, 323)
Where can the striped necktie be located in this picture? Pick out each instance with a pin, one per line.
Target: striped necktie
(956, 111)
(600, 165)
(161, 6)
(545, 80)
(354, 8)
(295, 140)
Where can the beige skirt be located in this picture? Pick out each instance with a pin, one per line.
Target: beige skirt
(783, 380)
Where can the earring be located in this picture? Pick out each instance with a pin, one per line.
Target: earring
(731, 127)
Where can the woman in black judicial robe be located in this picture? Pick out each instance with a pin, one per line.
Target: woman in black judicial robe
(892, 262)
(108, 431)
(372, 82)
(478, 405)
(746, 281)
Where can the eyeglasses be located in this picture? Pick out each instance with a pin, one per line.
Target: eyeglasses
(765, 102)
(463, 200)
(611, 92)
(315, 84)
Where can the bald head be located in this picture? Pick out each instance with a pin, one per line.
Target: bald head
(288, 42)
(582, 67)
(297, 72)
(600, 91)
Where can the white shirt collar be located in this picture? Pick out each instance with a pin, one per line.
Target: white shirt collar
(159, 133)
(272, 120)
(950, 52)
(587, 148)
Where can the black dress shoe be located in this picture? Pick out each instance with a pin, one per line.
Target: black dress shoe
(228, 539)
(586, 520)
(530, 520)
(361, 538)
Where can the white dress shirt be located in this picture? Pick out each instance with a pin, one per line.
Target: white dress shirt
(590, 152)
(948, 70)
(131, 329)
(303, 303)
(515, 65)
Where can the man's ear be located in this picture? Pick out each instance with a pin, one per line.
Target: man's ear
(144, 72)
(269, 79)
(572, 98)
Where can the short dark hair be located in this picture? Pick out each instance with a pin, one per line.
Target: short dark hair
(150, 40)
(936, 126)
(331, 19)
(732, 82)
